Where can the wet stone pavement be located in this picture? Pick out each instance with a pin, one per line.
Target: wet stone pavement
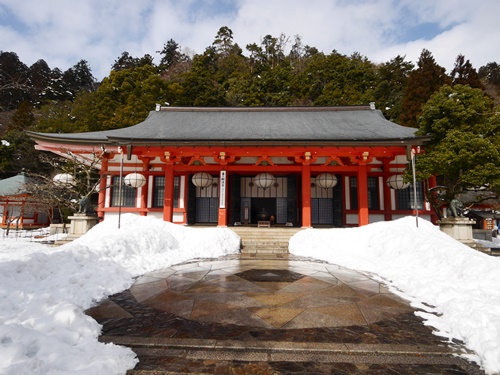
(288, 315)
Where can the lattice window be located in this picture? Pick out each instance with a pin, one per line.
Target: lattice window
(207, 210)
(373, 193)
(128, 194)
(405, 198)
(322, 211)
(281, 210)
(159, 191)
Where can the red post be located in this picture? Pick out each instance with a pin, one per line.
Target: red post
(387, 193)
(144, 197)
(222, 219)
(102, 188)
(306, 196)
(363, 217)
(168, 199)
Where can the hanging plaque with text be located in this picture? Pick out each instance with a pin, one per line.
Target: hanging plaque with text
(222, 190)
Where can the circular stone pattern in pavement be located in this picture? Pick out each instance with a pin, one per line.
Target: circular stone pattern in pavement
(272, 294)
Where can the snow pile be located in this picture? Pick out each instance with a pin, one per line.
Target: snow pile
(44, 291)
(430, 269)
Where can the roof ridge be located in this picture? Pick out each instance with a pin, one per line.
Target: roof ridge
(266, 109)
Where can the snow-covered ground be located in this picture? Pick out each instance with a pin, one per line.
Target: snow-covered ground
(457, 287)
(44, 290)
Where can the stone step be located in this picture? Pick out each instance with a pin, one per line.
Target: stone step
(267, 250)
(264, 240)
(265, 244)
(161, 354)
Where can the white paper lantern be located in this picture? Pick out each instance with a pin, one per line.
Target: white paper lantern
(135, 180)
(202, 179)
(326, 180)
(264, 180)
(396, 182)
(63, 179)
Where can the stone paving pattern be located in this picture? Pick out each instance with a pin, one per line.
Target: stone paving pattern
(296, 301)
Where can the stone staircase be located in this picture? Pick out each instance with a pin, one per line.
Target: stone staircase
(163, 356)
(265, 240)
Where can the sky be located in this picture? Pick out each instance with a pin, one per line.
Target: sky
(63, 32)
(45, 290)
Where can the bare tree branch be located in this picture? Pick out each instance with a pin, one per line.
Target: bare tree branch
(47, 194)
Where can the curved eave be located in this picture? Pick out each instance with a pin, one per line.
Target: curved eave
(66, 139)
(417, 141)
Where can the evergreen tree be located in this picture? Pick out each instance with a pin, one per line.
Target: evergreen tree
(20, 152)
(464, 74)
(213, 75)
(126, 61)
(428, 78)
(79, 78)
(392, 80)
(123, 99)
(171, 55)
(14, 81)
(274, 49)
(57, 89)
(491, 73)
(257, 58)
(40, 75)
(224, 43)
(336, 79)
(201, 86)
(57, 117)
(465, 143)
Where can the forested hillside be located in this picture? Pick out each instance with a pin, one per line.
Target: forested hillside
(275, 71)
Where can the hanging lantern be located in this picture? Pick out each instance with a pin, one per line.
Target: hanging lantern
(135, 180)
(396, 182)
(63, 179)
(326, 180)
(202, 180)
(264, 180)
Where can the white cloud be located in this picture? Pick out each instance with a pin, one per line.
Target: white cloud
(471, 31)
(63, 32)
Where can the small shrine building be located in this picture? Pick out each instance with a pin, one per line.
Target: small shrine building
(18, 209)
(289, 166)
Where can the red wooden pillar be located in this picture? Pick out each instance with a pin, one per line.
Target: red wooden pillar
(168, 199)
(306, 196)
(6, 213)
(432, 182)
(21, 218)
(4, 217)
(144, 197)
(363, 218)
(102, 188)
(222, 218)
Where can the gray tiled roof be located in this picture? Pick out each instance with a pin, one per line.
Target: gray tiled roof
(254, 124)
(13, 185)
